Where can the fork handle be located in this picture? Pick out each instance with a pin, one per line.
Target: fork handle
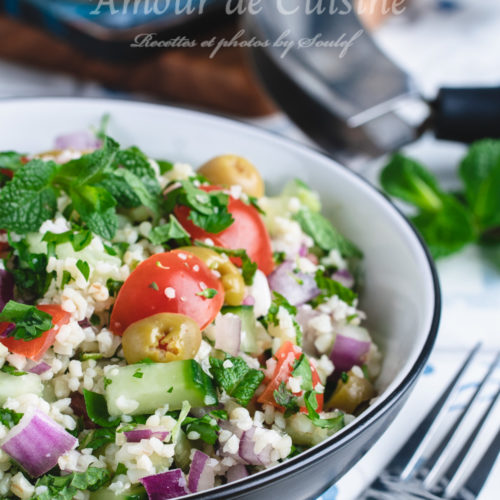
(467, 114)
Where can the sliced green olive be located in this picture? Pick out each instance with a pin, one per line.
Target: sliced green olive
(162, 338)
(350, 394)
(230, 170)
(231, 279)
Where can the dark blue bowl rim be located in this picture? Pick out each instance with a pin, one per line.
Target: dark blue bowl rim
(308, 457)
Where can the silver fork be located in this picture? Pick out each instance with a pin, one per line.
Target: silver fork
(411, 474)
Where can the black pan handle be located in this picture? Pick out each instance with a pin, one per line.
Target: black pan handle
(467, 114)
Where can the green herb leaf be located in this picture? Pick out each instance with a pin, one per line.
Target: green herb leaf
(28, 199)
(84, 268)
(324, 234)
(334, 424)
(205, 426)
(172, 231)
(66, 487)
(96, 438)
(11, 370)
(11, 160)
(113, 286)
(165, 166)
(480, 172)
(138, 373)
(208, 293)
(271, 318)
(285, 398)
(154, 286)
(9, 418)
(329, 288)
(302, 369)
(97, 409)
(248, 266)
(239, 381)
(406, 179)
(30, 322)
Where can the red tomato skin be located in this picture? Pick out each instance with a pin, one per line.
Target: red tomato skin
(286, 355)
(36, 348)
(247, 231)
(138, 298)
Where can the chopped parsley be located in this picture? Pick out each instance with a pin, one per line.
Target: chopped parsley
(30, 322)
(271, 318)
(154, 286)
(285, 398)
(329, 288)
(9, 418)
(84, 268)
(138, 373)
(171, 233)
(344, 377)
(208, 293)
(11, 370)
(239, 381)
(96, 438)
(206, 427)
(97, 409)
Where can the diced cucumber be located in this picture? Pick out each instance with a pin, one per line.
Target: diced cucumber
(159, 384)
(248, 328)
(182, 451)
(303, 432)
(12, 386)
(298, 189)
(134, 493)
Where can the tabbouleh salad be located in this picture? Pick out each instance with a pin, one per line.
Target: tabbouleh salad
(165, 330)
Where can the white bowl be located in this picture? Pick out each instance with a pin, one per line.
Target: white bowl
(401, 292)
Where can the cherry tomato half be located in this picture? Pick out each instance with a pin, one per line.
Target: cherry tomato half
(247, 231)
(169, 282)
(36, 348)
(286, 356)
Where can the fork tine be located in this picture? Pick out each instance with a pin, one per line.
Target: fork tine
(412, 452)
(435, 462)
(480, 474)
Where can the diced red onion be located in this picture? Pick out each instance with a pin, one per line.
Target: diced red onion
(201, 473)
(344, 277)
(303, 250)
(170, 484)
(247, 450)
(37, 442)
(248, 301)
(236, 472)
(347, 352)
(40, 368)
(228, 333)
(81, 141)
(8, 330)
(297, 288)
(140, 433)
(225, 425)
(6, 288)
(85, 323)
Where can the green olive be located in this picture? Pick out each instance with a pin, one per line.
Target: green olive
(231, 279)
(162, 338)
(230, 170)
(350, 394)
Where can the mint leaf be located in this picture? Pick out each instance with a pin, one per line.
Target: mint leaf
(97, 409)
(11, 160)
(324, 234)
(407, 180)
(172, 231)
(329, 288)
(11, 370)
(480, 172)
(30, 322)
(165, 166)
(9, 418)
(28, 199)
(302, 369)
(448, 230)
(285, 398)
(239, 381)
